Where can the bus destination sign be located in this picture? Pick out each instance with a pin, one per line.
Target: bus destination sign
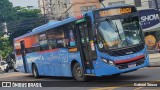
(115, 11)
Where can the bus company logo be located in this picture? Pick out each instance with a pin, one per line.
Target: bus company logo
(6, 84)
(129, 52)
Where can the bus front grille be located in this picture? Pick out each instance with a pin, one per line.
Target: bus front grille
(123, 52)
(125, 65)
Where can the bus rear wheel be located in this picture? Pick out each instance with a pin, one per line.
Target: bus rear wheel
(35, 71)
(78, 73)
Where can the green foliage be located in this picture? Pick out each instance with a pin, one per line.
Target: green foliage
(26, 20)
(25, 26)
(5, 47)
(20, 20)
(24, 13)
(7, 12)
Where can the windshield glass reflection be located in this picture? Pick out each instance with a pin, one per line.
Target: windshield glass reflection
(119, 33)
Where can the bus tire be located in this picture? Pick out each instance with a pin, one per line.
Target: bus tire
(15, 70)
(35, 71)
(78, 73)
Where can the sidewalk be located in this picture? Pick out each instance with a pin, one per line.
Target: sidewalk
(12, 74)
(154, 59)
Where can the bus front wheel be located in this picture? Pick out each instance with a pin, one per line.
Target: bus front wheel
(35, 71)
(78, 73)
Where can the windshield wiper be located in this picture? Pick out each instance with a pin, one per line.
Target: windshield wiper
(117, 30)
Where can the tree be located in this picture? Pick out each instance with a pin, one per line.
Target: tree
(20, 20)
(5, 47)
(26, 20)
(23, 13)
(7, 12)
(25, 26)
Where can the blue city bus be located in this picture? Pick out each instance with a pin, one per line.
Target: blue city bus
(101, 42)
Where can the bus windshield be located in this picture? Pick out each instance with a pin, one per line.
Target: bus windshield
(119, 33)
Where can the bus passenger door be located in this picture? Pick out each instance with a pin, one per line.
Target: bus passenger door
(23, 52)
(85, 47)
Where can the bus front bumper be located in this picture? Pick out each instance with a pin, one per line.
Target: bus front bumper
(104, 69)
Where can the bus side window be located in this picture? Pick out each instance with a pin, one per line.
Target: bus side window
(43, 42)
(35, 49)
(71, 36)
(51, 34)
(29, 50)
(57, 38)
(60, 38)
(35, 43)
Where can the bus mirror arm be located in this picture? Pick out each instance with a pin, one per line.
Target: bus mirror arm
(95, 36)
(94, 30)
(95, 40)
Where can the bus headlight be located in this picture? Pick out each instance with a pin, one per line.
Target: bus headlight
(111, 62)
(107, 61)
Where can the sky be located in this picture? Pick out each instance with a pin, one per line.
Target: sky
(25, 3)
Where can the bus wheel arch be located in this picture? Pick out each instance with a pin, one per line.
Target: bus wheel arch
(35, 71)
(72, 65)
(76, 67)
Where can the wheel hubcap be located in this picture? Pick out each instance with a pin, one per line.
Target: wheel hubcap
(79, 72)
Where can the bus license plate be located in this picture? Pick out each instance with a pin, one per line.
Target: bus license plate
(131, 65)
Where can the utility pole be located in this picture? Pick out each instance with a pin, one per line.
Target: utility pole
(5, 29)
(44, 7)
(156, 2)
(51, 8)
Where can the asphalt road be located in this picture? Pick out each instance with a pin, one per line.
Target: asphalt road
(122, 82)
(144, 74)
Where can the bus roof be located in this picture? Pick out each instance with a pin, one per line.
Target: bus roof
(49, 25)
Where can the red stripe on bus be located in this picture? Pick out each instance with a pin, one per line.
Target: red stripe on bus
(52, 50)
(129, 60)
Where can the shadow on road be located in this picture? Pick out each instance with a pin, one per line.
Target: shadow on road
(108, 81)
(113, 78)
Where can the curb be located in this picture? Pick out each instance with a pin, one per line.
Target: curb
(155, 58)
(154, 66)
(154, 63)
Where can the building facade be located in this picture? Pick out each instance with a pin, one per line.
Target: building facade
(141, 4)
(152, 3)
(60, 9)
(46, 7)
